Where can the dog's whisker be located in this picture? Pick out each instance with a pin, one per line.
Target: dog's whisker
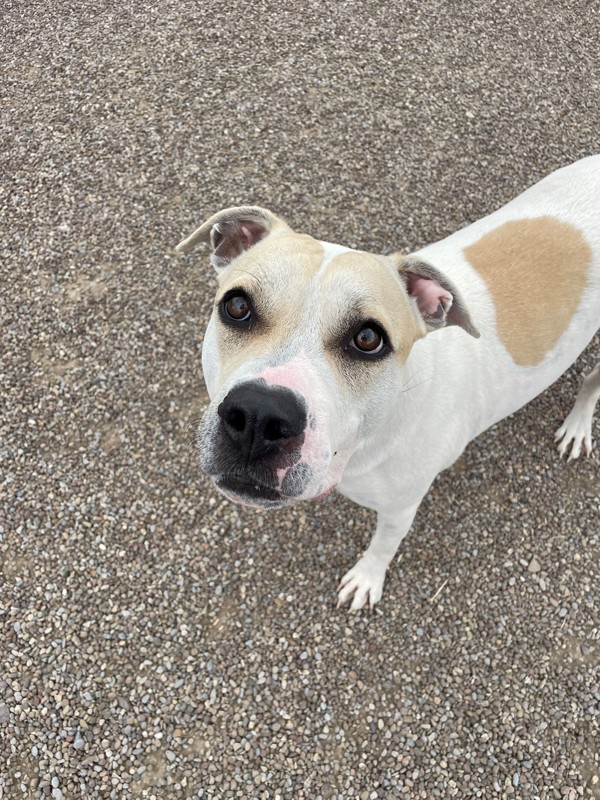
(413, 376)
(416, 386)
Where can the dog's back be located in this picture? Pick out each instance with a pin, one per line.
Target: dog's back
(530, 273)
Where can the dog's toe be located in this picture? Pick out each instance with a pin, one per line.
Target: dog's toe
(362, 585)
(572, 436)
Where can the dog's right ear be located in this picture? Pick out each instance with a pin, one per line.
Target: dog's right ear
(231, 232)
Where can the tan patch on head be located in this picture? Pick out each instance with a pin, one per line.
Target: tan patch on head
(283, 256)
(536, 271)
(367, 282)
(299, 300)
(275, 273)
(361, 286)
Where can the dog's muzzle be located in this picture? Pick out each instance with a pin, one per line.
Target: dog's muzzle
(258, 444)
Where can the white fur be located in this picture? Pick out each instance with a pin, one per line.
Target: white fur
(462, 386)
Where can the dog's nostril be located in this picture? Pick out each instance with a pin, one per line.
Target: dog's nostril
(273, 430)
(236, 419)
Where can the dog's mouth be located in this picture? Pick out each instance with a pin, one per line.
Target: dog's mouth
(250, 492)
(253, 493)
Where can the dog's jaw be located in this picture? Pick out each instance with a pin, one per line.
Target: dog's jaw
(261, 496)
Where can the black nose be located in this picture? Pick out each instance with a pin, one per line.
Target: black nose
(260, 420)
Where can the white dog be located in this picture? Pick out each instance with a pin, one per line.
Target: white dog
(329, 367)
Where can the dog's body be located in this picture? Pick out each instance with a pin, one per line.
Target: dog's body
(321, 375)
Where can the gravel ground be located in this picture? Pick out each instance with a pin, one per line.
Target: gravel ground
(158, 642)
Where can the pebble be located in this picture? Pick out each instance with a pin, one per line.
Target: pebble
(534, 565)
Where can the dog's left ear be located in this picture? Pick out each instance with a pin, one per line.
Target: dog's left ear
(438, 301)
(231, 232)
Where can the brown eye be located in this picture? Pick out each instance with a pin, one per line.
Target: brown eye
(368, 340)
(237, 307)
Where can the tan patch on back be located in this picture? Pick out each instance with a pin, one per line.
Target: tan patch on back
(536, 271)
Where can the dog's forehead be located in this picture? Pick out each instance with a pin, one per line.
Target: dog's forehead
(289, 261)
(283, 258)
(358, 274)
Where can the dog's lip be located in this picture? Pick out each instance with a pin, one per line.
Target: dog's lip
(251, 489)
(244, 490)
(326, 493)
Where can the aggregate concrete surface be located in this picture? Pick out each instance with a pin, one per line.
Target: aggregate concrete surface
(157, 641)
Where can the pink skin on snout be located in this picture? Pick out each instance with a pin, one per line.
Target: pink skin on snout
(292, 375)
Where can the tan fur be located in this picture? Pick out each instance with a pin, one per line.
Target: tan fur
(284, 258)
(277, 273)
(366, 285)
(536, 270)
(374, 282)
(279, 293)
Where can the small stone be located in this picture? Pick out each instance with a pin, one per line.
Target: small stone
(534, 565)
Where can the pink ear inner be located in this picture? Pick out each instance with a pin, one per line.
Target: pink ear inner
(429, 294)
(238, 236)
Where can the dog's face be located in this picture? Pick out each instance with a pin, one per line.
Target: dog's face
(304, 353)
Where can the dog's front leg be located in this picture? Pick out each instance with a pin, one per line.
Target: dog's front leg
(364, 582)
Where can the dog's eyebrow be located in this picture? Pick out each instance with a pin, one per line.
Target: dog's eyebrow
(245, 271)
(355, 315)
(251, 286)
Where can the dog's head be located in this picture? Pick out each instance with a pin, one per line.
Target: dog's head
(304, 353)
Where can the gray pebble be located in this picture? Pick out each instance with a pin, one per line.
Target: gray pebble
(534, 565)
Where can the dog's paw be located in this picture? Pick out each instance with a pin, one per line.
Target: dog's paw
(575, 432)
(363, 583)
